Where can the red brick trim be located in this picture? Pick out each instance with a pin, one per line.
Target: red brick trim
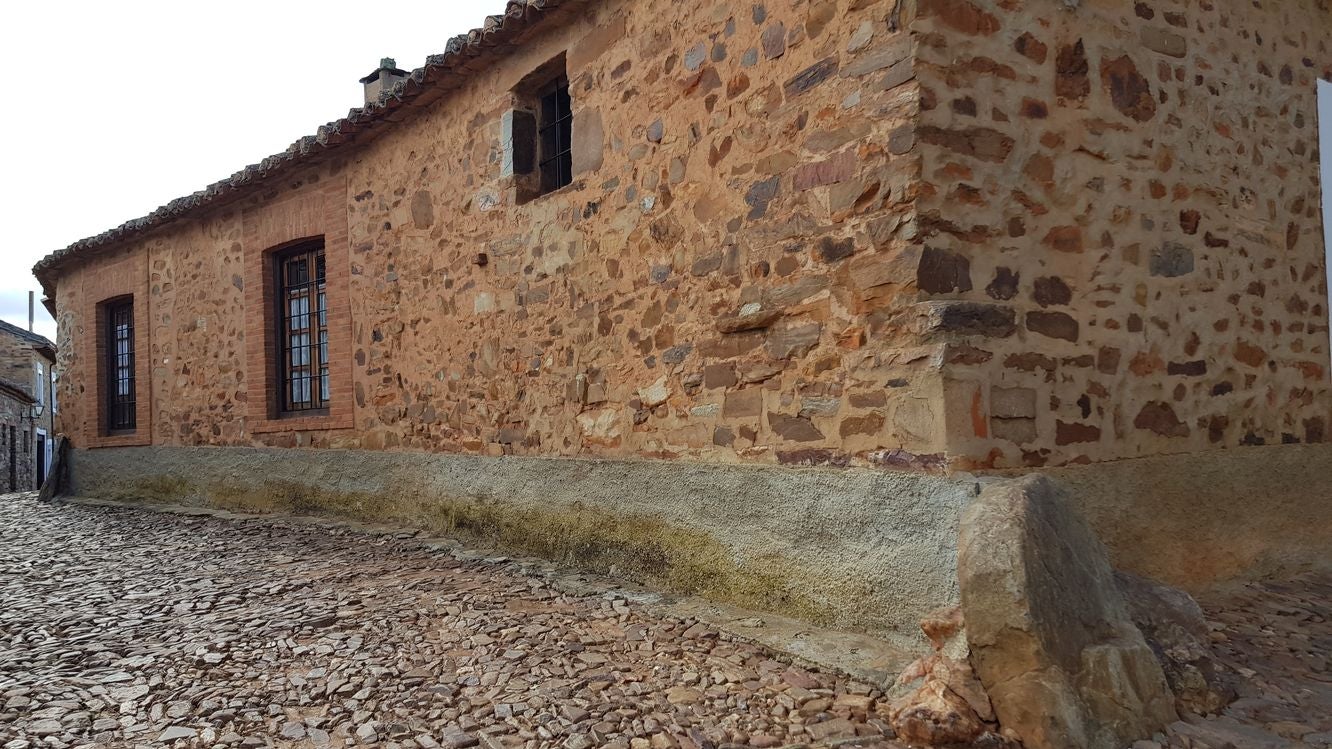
(319, 210)
(114, 279)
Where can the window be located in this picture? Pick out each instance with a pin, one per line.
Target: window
(40, 388)
(120, 399)
(556, 135)
(538, 133)
(303, 330)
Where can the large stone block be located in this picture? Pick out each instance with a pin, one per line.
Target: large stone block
(1050, 633)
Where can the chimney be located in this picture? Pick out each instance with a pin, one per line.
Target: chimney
(31, 311)
(383, 79)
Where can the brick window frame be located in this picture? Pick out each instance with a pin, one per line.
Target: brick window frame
(317, 211)
(110, 280)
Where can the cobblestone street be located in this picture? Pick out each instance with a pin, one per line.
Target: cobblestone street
(120, 627)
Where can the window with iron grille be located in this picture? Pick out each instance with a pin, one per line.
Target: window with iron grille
(121, 404)
(555, 133)
(302, 316)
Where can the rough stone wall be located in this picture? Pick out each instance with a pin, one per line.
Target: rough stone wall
(1130, 192)
(724, 280)
(963, 232)
(744, 154)
(18, 364)
(11, 415)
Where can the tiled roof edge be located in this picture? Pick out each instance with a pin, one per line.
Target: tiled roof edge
(35, 339)
(439, 70)
(16, 391)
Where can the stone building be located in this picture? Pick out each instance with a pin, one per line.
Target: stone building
(793, 272)
(27, 407)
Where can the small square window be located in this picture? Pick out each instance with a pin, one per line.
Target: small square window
(556, 136)
(538, 132)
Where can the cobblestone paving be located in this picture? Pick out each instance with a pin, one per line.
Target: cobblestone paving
(1277, 637)
(121, 627)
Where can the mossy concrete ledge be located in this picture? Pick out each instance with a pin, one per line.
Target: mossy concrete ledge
(860, 550)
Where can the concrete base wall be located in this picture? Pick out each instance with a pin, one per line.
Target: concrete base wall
(861, 550)
(1198, 520)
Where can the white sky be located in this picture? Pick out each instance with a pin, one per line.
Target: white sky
(116, 108)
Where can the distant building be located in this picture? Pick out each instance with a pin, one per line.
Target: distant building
(27, 407)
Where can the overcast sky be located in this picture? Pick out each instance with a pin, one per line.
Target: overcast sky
(116, 108)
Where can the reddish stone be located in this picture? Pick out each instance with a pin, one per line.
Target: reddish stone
(1031, 48)
(1034, 109)
(810, 457)
(1040, 169)
(961, 15)
(1072, 433)
(1160, 418)
(1053, 325)
(1129, 91)
(830, 171)
(1030, 362)
(1071, 72)
(1250, 354)
(1065, 239)
(982, 143)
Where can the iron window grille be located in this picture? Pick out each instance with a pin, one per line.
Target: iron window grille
(303, 330)
(121, 404)
(555, 133)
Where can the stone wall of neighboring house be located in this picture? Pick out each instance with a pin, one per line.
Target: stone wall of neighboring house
(1136, 185)
(19, 361)
(16, 443)
(728, 158)
(27, 371)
